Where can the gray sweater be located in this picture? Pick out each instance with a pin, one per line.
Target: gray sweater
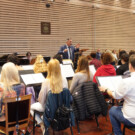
(77, 79)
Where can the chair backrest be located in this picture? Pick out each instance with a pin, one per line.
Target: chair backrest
(17, 110)
(88, 100)
(52, 104)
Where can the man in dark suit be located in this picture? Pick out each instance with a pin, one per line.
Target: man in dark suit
(68, 50)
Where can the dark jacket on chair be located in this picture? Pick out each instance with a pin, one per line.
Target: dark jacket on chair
(52, 104)
(88, 100)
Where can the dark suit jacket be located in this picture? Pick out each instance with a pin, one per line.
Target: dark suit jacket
(65, 54)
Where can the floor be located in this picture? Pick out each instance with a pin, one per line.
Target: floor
(87, 127)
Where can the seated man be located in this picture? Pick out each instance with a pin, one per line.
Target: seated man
(123, 114)
(95, 61)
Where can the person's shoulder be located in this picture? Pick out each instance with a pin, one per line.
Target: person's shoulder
(79, 74)
(63, 46)
(46, 81)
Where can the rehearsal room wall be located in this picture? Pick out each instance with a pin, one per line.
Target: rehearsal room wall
(92, 23)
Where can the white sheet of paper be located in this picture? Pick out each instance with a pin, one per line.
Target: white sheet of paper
(92, 69)
(111, 82)
(28, 67)
(67, 70)
(33, 78)
(39, 78)
(67, 61)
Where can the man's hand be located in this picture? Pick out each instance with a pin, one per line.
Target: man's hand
(65, 50)
(77, 45)
(102, 89)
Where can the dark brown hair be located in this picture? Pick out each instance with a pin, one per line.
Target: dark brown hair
(106, 58)
(93, 54)
(132, 60)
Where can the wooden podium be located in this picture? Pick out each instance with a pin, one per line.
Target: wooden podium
(83, 50)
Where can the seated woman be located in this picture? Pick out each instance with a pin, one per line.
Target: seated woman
(124, 67)
(54, 82)
(82, 73)
(123, 114)
(9, 86)
(106, 69)
(40, 65)
(14, 59)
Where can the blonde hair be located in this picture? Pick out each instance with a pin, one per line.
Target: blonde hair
(40, 64)
(54, 75)
(9, 76)
(83, 66)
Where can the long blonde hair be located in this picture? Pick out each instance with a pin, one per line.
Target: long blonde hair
(54, 75)
(83, 66)
(9, 76)
(40, 64)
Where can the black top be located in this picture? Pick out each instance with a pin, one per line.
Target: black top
(122, 69)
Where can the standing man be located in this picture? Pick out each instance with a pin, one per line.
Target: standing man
(68, 50)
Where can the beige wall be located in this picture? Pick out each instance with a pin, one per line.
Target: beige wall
(94, 28)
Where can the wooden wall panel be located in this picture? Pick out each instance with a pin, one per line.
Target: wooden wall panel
(94, 27)
(20, 26)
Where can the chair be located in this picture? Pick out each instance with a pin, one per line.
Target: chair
(17, 113)
(34, 122)
(88, 101)
(52, 105)
(131, 128)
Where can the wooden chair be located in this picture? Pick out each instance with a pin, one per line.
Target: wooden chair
(17, 113)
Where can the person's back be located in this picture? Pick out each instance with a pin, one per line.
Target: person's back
(94, 61)
(124, 67)
(19, 89)
(82, 73)
(9, 84)
(106, 69)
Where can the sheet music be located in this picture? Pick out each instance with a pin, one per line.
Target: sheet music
(92, 71)
(67, 61)
(28, 67)
(67, 70)
(111, 82)
(33, 78)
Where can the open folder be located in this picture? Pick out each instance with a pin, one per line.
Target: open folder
(110, 82)
(67, 70)
(33, 78)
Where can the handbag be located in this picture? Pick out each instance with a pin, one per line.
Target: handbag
(61, 118)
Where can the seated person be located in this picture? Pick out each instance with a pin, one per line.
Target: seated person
(54, 82)
(9, 87)
(58, 57)
(29, 90)
(14, 59)
(40, 65)
(95, 61)
(120, 54)
(106, 69)
(82, 73)
(124, 67)
(28, 56)
(123, 114)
